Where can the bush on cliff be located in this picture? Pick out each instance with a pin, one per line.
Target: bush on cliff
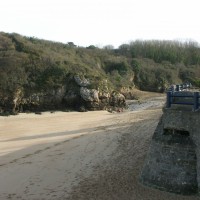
(34, 65)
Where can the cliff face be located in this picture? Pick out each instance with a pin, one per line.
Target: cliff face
(76, 94)
(173, 163)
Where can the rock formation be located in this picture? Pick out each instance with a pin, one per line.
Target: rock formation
(76, 94)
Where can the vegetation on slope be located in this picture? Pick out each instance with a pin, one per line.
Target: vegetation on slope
(36, 65)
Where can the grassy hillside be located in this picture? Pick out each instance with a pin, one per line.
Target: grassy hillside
(150, 65)
(36, 65)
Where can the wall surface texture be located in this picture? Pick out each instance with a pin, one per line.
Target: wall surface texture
(173, 160)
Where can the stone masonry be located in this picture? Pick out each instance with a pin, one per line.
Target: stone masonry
(173, 160)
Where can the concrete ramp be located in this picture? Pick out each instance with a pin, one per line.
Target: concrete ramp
(173, 160)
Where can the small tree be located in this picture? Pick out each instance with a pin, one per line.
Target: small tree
(91, 47)
(71, 44)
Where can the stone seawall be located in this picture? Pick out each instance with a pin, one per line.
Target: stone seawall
(173, 160)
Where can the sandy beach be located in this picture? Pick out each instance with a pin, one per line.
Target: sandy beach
(90, 156)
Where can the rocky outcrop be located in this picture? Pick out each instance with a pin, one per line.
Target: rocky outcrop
(128, 92)
(17, 98)
(81, 81)
(49, 100)
(117, 99)
(76, 94)
(97, 99)
(71, 98)
(90, 95)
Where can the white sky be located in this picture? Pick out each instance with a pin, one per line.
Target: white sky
(102, 22)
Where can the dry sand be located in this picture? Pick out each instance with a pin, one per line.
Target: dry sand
(92, 155)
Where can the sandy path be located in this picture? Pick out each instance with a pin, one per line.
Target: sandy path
(93, 155)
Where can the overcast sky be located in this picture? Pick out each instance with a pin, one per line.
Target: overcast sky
(102, 22)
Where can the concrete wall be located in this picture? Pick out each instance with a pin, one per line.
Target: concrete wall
(173, 160)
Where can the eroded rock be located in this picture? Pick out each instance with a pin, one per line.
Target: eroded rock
(75, 94)
(89, 94)
(81, 81)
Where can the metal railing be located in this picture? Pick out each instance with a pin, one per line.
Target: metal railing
(194, 99)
